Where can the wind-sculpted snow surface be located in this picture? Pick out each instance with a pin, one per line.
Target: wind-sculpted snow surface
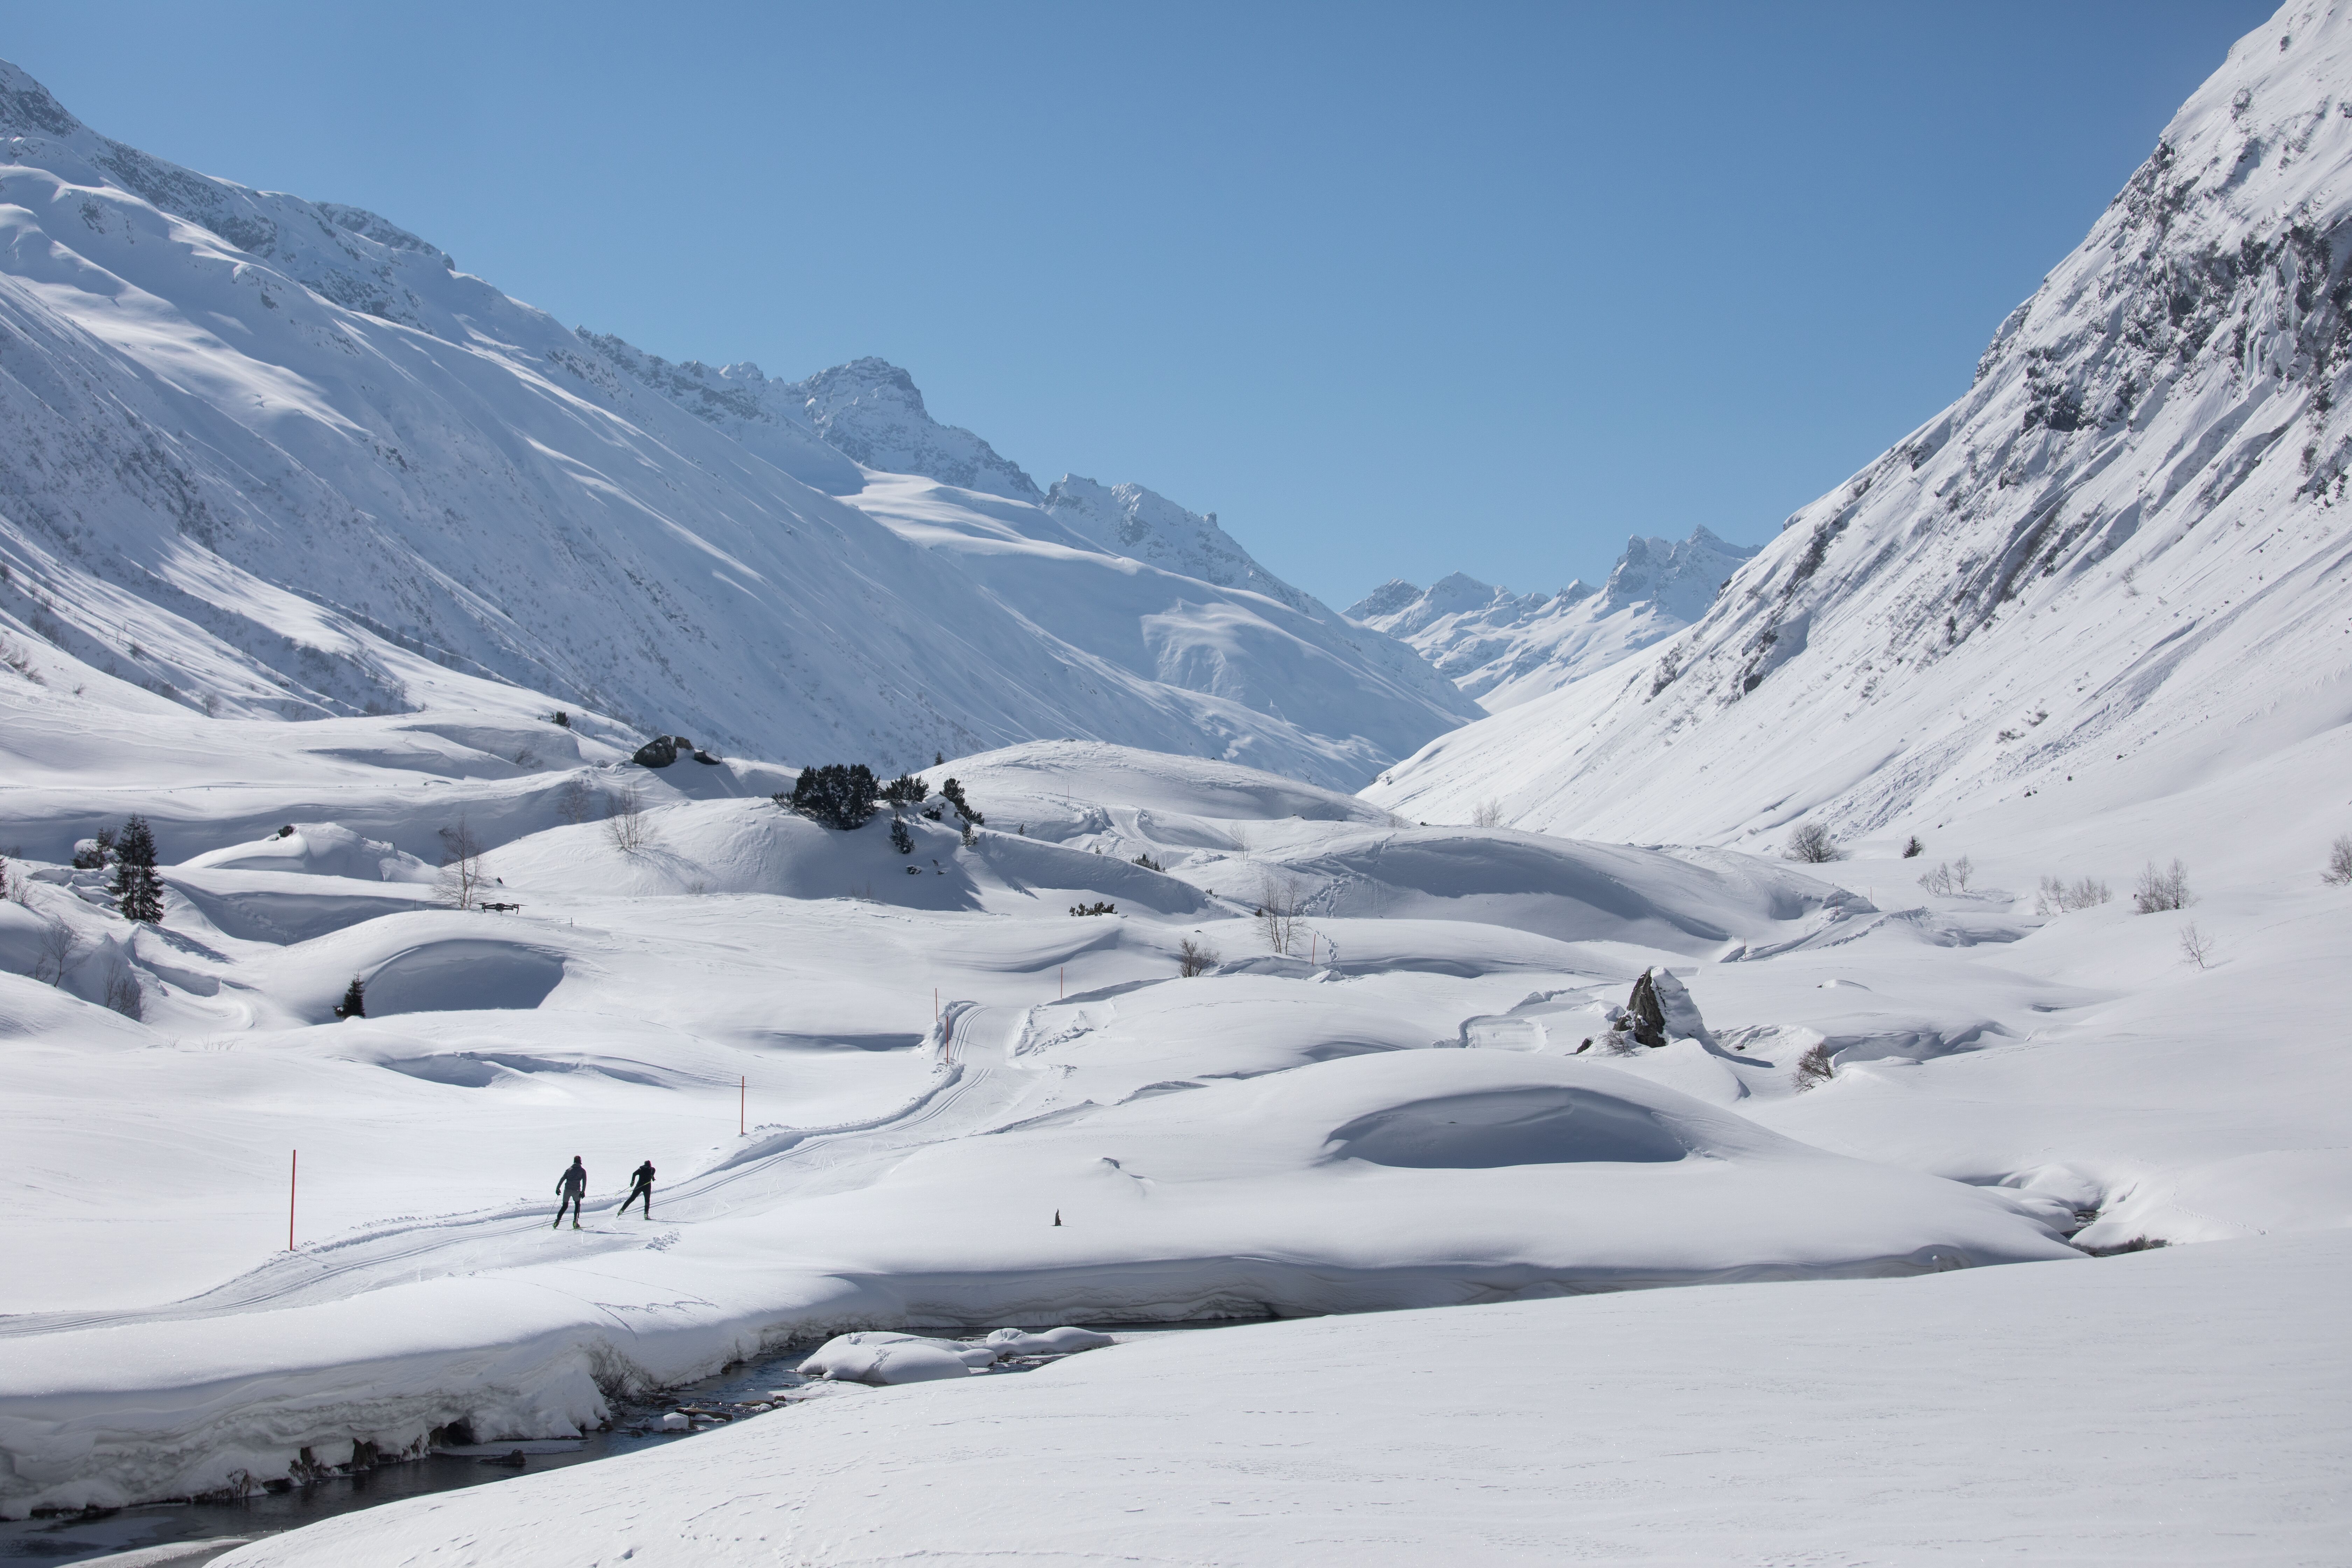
(265, 457)
(2120, 562)
(1504, 648)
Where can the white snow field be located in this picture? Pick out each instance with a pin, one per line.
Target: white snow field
(1168, 1039)
(2151, 1409)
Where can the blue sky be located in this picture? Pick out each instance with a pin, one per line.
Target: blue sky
(1395, 290)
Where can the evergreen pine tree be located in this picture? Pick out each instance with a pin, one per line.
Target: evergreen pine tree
(901, 839)
(354, 1000)
(138, 891)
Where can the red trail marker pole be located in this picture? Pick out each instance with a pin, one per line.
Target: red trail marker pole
(293, 1170)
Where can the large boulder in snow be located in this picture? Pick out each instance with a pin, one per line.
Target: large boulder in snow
(657, 752)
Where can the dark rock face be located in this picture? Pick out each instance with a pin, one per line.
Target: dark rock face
(1649, 1019)
(657, 752)
(702, 756)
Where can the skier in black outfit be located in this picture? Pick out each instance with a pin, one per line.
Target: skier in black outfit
(570, 1189)
(641, 1181)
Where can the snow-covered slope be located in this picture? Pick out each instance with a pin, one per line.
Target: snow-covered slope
(278, 458)
(2116, 567)
(1503, 647)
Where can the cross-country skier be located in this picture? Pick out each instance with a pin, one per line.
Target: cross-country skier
(641, 1181)
(570, 1189)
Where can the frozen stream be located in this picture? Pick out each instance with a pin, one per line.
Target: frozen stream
(750, 1388)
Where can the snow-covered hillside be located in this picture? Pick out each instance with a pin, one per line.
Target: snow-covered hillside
(1503, 647)
(2115, 569)
(269, 457)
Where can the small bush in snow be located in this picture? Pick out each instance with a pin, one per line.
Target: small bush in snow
(1486, 813)
(837, 794)
(2059, 898)
(1280, 903)
(2339, 861)
(906, 790)
(1814, 843)
(901, 839)
(1815, 1069)
(625, 820)
(1913, 848)
(58, 948)
(461, 883)
(354, 1002)
(122, 993)
(1097, 908)
(1149, 864)
(560, 717)
(2195, 947)
(15, 658)
(1194, 956)
(2160, 891)
(1949, 877)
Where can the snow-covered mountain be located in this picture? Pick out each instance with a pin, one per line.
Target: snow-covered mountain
(2114, 569)
(273, 457)
(1503, 647)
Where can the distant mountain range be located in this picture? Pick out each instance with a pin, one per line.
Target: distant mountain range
(269, 457)
(1503, 647)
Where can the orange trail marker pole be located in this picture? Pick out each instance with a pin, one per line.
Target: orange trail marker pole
(293, 1170)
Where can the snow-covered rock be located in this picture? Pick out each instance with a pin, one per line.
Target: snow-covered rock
(1504, 648)
(883, 1358)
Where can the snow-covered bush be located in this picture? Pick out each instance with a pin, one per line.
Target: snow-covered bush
(1486, 813)
(2339, 861)
(1815, 1068)
(1194, 956)
(354, 1002)
(2165, 889)
(2059, 896)
(1814, 843)
(1097, 908)
(1913, 848)
(901, 839)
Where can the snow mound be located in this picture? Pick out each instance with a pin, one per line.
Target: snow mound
(1063, 1341)
(318, 849)
(883, 1358)
(1551, 1125)
(460, 974)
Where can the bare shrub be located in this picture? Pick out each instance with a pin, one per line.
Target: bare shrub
(2195, 947)
(526, 759)
(2160, 891)
(2059, 898)
(1814, 843)
(460, 886)
(1949, 877)
(2339, 861)
(625, 820)
(1815, 1069)
(1486, 813)
(1280, 903)
(15, 658)
(122, 993)
(1194, 956)
(575, 802)
(58, 948)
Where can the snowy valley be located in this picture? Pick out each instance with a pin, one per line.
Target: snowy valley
(1838, 1064)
